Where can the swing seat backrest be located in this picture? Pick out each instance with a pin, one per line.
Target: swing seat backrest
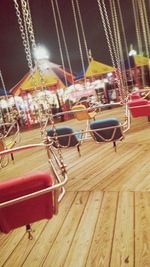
(66, 136)
(135, 95)
(106, 130)
(84, 114)
(28, 210)
(2, 145)
(139, 107)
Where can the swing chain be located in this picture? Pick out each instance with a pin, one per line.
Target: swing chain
(29, 25)
(47, 140)
(109, 38)
(79, 40)
(23, 36)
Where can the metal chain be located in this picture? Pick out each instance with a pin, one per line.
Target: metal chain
(125, 40)
(32, 38)
(79, 41)
(6, 95)
(144, 35)
(137, 25)
(3, 84)
(120, 82)
(111, 46)
(27, 14)
(83, 33)
(121, 57)
(28, 22)
(23, 36)
(59, 42)
(146, 23)
(120, 54)
(64, 39)
(136, 10)
(143, 26)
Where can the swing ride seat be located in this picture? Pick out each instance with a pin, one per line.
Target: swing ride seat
(139, 107)
(3, 159)
(33, 196)
(84, 114)
(29, 210)
(13, 137)
(134, 95)
(106, 130)
(10, 144)
(81, 113)
(66, 137)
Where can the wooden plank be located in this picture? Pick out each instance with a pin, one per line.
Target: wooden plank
(138, 175)
(81, 243)
(144, 184)
(59, 251)
(112, 169)
(36, 255)
(9, 243)
(123, 243)
(127, 172)
(101, 173)
(142, 229)
(100, 251)
(25, 246)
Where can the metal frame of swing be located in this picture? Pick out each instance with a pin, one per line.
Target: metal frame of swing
(57, 144)
(60, 178)
(8, 144)
(123, 128)
(98, 132)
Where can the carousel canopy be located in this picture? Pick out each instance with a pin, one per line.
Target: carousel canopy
(137, 60)
(141, 61)
(48, 75)
(96, 69)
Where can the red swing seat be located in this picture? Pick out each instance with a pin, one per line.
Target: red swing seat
(28, 210)
(139, 107)
(32, 197)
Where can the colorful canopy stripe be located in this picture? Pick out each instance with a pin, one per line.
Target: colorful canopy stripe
(95, 69)
(53, 78)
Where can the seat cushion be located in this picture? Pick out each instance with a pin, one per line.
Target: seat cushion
(106, 134)
(135, 95)
(92, 115)
(27, 211)
(139, 107)
(64, 141)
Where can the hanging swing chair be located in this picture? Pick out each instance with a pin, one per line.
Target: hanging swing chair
(10, 136)
(66, 137)
(107, 130)
(139, 104)
(34, 196)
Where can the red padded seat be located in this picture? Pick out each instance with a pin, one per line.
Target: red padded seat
(139, 107)
(135, 95)
(29, 210)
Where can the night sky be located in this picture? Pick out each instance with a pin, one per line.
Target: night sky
(13, 62)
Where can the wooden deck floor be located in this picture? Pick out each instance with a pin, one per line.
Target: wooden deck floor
(104, 218)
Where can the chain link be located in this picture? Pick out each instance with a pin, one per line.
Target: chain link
(146, 39)
(111, 44)
(79, 41)
(25, 39)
